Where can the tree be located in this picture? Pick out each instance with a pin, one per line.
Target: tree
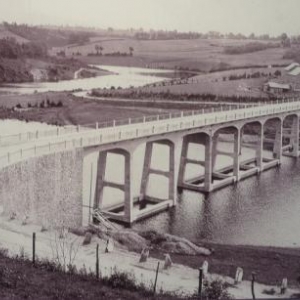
(285, 40)
(131, 50)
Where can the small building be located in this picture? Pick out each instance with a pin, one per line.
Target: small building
(276, 88)
(295, 71)
(292, 66)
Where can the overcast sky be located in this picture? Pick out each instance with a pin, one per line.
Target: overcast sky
(245, 16)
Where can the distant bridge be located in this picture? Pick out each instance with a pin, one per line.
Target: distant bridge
(274, 125)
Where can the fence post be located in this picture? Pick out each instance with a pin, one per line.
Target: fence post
(97, 261)
(114, 123)
(97, 125)
(144, 119)
(252, 285)
(33, 247)
(200, 283)
(156, 275)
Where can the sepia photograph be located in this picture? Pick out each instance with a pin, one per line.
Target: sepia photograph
(149, 149)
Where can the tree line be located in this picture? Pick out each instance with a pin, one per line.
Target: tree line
(10, 48)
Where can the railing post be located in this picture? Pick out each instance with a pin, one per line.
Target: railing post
(8, 157)
(78, 128)
(129, 120)
(144, 119)
(157, 117)
(57, 131)
(37, 134)
(181, 114)
(114, 123)
(97, 125)
(21, 153)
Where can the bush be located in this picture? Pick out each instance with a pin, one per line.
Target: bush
(215, 290)
(121, 280)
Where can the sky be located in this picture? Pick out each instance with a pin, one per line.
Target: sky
(245, 16)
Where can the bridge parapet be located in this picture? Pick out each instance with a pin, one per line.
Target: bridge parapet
(162, 125)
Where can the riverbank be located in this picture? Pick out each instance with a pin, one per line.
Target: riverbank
(181, 278)
(270, 264)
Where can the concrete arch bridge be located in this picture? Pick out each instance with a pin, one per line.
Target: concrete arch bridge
(41, 174)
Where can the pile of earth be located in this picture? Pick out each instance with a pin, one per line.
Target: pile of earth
(136, 241)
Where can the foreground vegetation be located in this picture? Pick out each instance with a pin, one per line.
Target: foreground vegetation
(21, 279)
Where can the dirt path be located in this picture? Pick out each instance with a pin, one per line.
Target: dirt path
(179, 278)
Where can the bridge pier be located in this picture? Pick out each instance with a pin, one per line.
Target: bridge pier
(169, 174)
(292, 134)
(209, 155)
(260, 148)
(277, 149)
(125, 187)
(295, 136)
(237, 154)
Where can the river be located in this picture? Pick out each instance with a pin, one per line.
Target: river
(261, 210)
(122, 77)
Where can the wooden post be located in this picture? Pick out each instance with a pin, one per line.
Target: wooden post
(33, 247)
(155, 282)
(200, 283)
(91, 191)
(252, 285)
(97, 261)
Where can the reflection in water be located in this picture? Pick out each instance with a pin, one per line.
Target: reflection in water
(261, 210)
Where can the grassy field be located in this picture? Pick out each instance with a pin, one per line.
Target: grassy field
(203, 54)
(74, 110)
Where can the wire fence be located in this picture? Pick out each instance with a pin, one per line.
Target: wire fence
(67, 253)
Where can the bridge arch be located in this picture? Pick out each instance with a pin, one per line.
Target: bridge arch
(290, 134)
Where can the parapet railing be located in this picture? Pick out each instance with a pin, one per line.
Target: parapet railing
(131, 131)
(23, 137)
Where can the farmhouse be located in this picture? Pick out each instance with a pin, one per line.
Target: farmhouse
(276, 88)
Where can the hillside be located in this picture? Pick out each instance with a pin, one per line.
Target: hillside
(203, 55)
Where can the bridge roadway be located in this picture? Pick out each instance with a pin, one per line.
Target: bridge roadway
(198, 128)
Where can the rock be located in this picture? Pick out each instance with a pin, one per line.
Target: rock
(144, 255)
(87, 238)
(25, 220)
(174, 244)
(168, 261)
(130, 239)
(238, 275)
(109, 246)
(205, 268)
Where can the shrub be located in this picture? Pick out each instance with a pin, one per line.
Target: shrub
(121, 280)
(214, 290)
